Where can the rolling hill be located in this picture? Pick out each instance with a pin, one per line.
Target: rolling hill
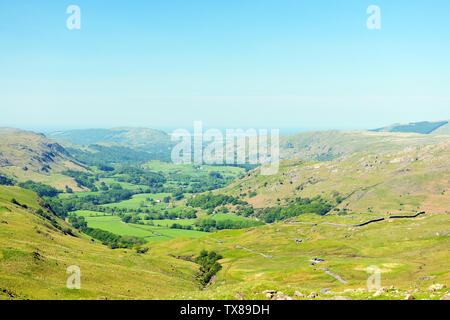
(117, 145)
(305, 258)
(26, 155)
(409, 179)
(332, 144)
(376, 174)
(35, 253)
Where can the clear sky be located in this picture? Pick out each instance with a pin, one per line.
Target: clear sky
(295, 64)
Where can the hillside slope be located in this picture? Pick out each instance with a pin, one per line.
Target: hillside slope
(117, 145)
(34, 256)
(411, 179)
(328, 145)
(26, 155)
(423, 127)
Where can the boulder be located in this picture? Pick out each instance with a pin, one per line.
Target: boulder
(239, 296)
(341, 298)
(269, 291)
(437, 286)
(299, 294)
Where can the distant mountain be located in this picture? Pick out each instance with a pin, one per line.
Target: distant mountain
(26, 155)
(328, 145)
(423, 127)
(116, 146)
(137, 137)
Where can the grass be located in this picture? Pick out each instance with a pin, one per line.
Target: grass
(415, 179)
(404, 250)
(193, 170)
(412, 254)
(150, 233)
(138, 199)
(115, 274)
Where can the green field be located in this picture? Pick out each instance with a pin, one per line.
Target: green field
(34, 256)
(140, 201)
(193, 170)
(150, 233)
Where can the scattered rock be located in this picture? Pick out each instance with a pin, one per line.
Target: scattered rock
(313, 295)
(276, 295)
(427, 278)
(282, 296)
(10, 293)
(437, 286)
(269, 291)
(299, 294)
(410, 297)
(446, 297)
(379, 292)
(239, 296)
(341, 298)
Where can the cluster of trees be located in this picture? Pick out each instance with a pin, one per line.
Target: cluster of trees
(83, 179)
(41, 189)
(212, 201)
(51, 218)
(200, 183)
(316, 205)
(211, 224)
(180, 226)
(245, 211)
(112, 240)
(208, 266)
(6, 181)
(139, 176)
(61, 207)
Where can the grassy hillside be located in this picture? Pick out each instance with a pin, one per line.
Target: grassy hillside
(129, 136)
(412, 179)
(328, 145)
(34, 256)
(411, 255)
(25, 155)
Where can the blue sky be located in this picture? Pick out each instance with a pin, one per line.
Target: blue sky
(294, 65)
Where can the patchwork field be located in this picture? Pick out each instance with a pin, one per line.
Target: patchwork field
(148, 232)
(34, 256)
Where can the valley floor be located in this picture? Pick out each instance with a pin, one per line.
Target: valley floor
(300, 258)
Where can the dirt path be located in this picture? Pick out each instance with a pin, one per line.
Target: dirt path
(337, 277)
